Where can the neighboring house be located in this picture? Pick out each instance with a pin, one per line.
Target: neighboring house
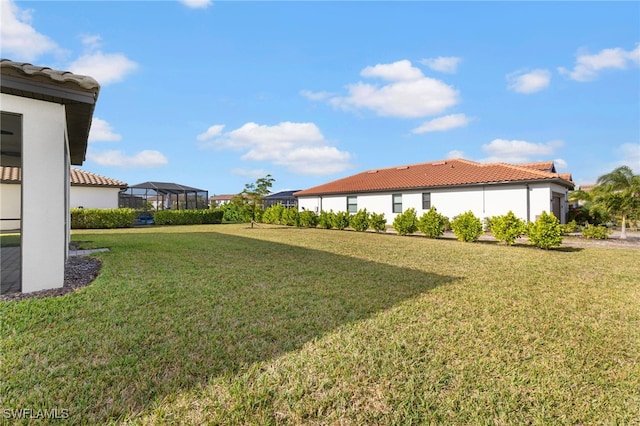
(218, 200)
(451, 186)
(285, 198)
(88, 190)
(46, 116)
(92, 191)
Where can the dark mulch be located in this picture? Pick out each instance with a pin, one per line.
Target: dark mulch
(79, 271)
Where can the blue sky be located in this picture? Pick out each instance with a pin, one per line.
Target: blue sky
(217, 94)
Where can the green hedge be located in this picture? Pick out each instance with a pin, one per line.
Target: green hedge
(102, 218)
(188, 217)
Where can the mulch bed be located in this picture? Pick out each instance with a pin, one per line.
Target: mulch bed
(79, 272)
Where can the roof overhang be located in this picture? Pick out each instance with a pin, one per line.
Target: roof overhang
(558, 181)
(78, 94)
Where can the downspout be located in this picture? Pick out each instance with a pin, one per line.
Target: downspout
(483, 203)
(528, 204)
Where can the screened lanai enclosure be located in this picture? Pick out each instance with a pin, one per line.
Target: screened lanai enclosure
(153, 196)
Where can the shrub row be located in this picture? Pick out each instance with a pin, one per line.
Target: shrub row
(361, 221)
(546, 232)
(102, 218)
(188, 217)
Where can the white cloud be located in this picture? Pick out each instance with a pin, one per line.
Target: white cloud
(250, 173)
(455, 154)
(102, 131)
(406, 94)
(560, 163)
(397, 71)
(629, 155)
(211, 133)
(517, 151)
(143, 159)
(300, 147)
(529, 82)
(91, 41)
(442, 124)
(446, 64)
(315, 96)
(104, 67)
(588, 66)
(18, 39)
(197, 4)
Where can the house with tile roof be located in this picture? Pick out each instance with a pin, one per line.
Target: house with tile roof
(46, 115)
(88, 190)
(451, 186)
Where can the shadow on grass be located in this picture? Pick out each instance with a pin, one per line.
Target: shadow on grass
(171, 311)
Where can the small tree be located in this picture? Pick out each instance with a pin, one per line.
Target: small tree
(254, 194)
(467, 227)
(377, 222)
(360, 220)
(406, 223)
(432, 224)
(507, 228)
(546, 232)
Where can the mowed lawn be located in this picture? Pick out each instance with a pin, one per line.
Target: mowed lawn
(276, 325)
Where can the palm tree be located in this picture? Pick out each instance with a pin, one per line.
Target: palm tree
(618, 193)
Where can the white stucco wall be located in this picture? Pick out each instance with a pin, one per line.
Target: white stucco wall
(483, 201)
(91, 197)
(9, 206)
(44, 162)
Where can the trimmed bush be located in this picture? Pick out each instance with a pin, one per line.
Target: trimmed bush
(188, 217)
(290, 216)
(325, 220)
(308, 219)
(341, 220)
(273, 214)
(360, 221)
(596, 232)
(432, 224)
(467, 227)
(377, 222)
(406, 223)
(508, 228)
(546, 232)
(102, 218)
(570, 227)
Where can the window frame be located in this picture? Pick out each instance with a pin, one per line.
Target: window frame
(428, 194)
(354, 204)
(396, 207)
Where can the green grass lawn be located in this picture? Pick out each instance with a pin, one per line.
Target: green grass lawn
(273, 325)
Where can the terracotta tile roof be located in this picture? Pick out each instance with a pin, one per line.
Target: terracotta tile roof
(84, 178)
(435, 174)
(78, 178)
(543, 166)
(10, 174)
(222, 197)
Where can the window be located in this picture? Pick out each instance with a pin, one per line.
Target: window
(352, 204)
(426, 200)
(397, 203)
